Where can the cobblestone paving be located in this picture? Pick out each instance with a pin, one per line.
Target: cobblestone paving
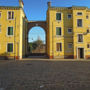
(44, 75)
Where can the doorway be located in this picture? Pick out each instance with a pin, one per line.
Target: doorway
(80, 53)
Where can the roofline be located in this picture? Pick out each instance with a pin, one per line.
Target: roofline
(10, 7)
(73, 7)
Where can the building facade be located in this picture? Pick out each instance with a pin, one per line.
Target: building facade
(67, 32)
(13, 25)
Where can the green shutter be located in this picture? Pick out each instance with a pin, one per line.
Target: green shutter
(11, 30)
(58, 31)
(58, 16)
(10, 47)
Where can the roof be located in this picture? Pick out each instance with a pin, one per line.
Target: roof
(11, 7)
(73, 7)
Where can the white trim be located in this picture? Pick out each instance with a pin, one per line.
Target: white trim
(56, 46)
(89, 45)
(7, 32)
(56, 32)
(69, 18)
(56, 16)
(83, 52)
(7, 47)
(79, 12)
(82, 23)
(77, 38)
(11, 15)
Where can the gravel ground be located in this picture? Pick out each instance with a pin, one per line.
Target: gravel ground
(44, 75)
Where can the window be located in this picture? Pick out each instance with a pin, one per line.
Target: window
(69, 30)
(0, 28)
(88, 45)
(10, 47)
(0, 14)
(59, 46)
(69, 16)
(88, 30)
(58, 31)
(79, 22)
(80, 38)
(69, 45)
(87, 17)
(79, 13)
(58, 16)
(10, 31)
(10, 15)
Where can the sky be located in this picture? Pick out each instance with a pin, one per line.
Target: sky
(35, 10)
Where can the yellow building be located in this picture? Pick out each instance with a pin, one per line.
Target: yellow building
(67, 32)
(12, 31)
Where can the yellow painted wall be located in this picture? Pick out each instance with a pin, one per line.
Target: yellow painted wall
(66, 37)
(16, 39)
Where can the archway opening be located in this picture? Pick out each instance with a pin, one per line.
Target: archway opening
(36, 41)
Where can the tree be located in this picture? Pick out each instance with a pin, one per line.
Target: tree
(35, 44)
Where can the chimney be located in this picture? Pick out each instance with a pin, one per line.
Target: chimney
(49, 4)
(21, 4)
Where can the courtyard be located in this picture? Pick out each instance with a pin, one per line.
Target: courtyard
(45, 74)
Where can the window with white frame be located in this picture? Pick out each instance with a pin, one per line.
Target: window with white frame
(58, 16)
(88, 45)
(59, 46)
(69, 45)
(10, 15)
(79, 13)
(0, 14)
(79, 22)
(88, 30)
(69, 16)
(10, 31)
(80, 38)
(69, 30)
(0, 27)
(10, 47)
(58, 31)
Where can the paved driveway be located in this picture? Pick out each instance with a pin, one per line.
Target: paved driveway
(44, 75)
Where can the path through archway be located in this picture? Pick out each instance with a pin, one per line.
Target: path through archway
(36, 42)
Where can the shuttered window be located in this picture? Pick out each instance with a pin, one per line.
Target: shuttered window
(80, 38)
(79, 23)
(58, 16)
(88, 45)
(10, 15)
(59, 46)
(58, 31)
(10, 30)
(10, 47)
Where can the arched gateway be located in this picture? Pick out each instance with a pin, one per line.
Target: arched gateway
(41, 24)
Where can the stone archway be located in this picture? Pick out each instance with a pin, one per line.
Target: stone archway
(41, 24)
